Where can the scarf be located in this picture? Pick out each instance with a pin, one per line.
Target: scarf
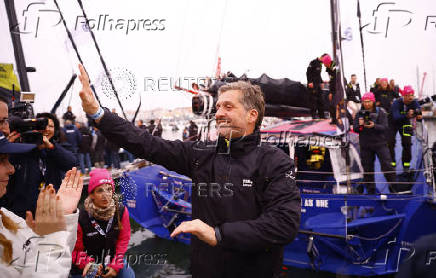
(100, 213)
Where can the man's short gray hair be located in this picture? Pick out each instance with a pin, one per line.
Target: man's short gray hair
(251, 97)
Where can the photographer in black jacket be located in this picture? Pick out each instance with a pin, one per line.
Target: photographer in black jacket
(404, 110)
(371, 123)
(245, 203)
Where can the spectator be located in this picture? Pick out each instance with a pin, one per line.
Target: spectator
(112, 151)
(394, 87)
(193, 131)
(384, 95)
(314, 81)
(103, 230)
(371, 123)
(54, 225)
(353, 95)
(73, 136)
(98, 146)
(331, 70)
(185, 134)
(141, 124)
(84, 148)
(69, 115)
(375, 86)
(404, 110)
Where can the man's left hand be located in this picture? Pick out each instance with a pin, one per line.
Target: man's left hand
(198, 228)
(110, 273)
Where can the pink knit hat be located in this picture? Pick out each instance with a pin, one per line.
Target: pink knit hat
(408, 90)
(368, 96)
(384, 80)
(98, 177)
(326, 60)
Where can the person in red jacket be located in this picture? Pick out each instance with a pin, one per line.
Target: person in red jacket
(103, 232)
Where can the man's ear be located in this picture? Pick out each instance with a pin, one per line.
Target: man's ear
(252, 116)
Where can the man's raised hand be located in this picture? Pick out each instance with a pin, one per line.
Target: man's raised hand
(89, 103)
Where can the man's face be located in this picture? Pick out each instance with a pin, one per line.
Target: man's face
(4, 124)
(69, 109)
(368, 104)
(408, 99)
(232, 119)
(353, 79)
(6, 170)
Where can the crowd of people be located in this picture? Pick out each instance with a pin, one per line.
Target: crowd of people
(378, 116)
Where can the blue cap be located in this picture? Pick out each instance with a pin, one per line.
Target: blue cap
(8, 147)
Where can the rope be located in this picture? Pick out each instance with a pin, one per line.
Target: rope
(73, 43)
(362, 182)
(102, 60)
(381, 172)
(380, 236)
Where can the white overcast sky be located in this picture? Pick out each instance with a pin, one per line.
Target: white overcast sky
(274, 37)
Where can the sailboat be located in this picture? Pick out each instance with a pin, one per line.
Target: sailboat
(340, 232)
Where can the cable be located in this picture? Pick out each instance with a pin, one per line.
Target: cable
(102, 60)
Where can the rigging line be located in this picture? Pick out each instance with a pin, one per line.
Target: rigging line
(102, 60)
(363, 182)
(220, 33)
(359, 15)
(380, 236)
(381, 172)
(73, 43)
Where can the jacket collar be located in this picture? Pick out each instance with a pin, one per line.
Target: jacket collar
(239, 145)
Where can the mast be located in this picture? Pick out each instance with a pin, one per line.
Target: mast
(18, 47)
(340, 90)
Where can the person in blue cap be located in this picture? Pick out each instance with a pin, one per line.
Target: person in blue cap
(40, 246)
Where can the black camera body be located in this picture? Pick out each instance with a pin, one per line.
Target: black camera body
(29, 129)
(368, 117)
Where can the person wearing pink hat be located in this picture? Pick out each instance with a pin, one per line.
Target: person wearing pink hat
(103, 233)
(404, 111)
(371, 123)
(384, 95)
(331, 70)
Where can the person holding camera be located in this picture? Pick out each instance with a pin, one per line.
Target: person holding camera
(371, 123)
(46, 164)
(103, 232)
(404, 110)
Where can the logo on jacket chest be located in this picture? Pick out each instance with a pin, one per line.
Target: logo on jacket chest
(247, 182)
(92, 234)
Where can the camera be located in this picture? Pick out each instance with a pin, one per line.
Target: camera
(204, 105)
(367, 118)
(29, 129)
(417, 112)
